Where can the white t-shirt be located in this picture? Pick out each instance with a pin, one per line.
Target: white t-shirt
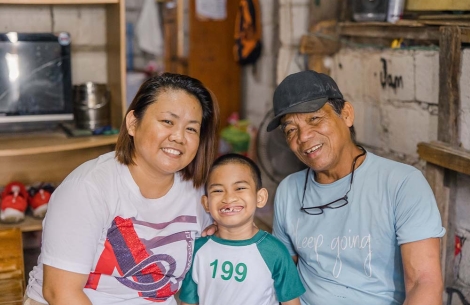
(255, 271)
(135, 250)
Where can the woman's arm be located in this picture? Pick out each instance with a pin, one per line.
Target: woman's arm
(64, 287)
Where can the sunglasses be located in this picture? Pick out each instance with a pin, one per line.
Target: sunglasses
(335, 204)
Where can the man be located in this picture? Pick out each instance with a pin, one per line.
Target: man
(362, 229)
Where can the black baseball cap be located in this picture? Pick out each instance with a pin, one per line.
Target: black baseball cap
(305, 91)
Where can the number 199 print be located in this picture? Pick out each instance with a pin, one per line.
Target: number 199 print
(227, 270)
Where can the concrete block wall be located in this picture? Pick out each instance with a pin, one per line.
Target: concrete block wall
(395, 95)
(140, 58)
(259, 80)
(293, 23)
(85, 23)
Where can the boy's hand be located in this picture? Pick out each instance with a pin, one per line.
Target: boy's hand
(210, 230)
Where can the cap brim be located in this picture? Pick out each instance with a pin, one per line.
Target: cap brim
(305, 106)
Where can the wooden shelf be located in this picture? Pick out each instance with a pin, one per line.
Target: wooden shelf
(407, 30)
(446, 156)
(29, 145)
(41, 2)
(29, 224)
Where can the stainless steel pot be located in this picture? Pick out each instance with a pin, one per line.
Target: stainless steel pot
(91, 105)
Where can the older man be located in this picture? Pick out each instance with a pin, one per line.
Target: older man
(363, 229)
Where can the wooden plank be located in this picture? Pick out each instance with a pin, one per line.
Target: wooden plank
(11, 291)
(321, 40)
(465, 34)
(435, 177)
(59, 2)
(29, 224)
(48, 167)
(388, 30)
(449, 76)
(116, 60)
(441, 5)
(318, 45)
(211, 58)
(11, 265)
(446, 156)
(32, 145)
(464, 23)
(444, 17)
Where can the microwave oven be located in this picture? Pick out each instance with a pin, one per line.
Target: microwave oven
(35, 80)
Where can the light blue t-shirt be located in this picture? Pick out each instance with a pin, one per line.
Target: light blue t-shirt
(351, 255)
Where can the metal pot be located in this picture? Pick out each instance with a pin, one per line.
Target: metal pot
(91, 105)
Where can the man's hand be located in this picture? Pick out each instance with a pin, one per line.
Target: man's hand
(210, 230)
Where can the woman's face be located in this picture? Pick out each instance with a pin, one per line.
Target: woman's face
(167, 138)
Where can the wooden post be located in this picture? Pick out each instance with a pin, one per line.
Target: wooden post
(448, 132)
(449, 76)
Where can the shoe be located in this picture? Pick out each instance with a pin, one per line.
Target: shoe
(39, 198)
(14, 202)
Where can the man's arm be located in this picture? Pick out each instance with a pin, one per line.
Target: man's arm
(422, 271)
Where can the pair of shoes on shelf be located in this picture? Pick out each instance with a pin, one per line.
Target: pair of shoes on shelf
(39, 196)
(15, 200)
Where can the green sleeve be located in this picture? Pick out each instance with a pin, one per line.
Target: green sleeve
(284, 272)
(188, 292)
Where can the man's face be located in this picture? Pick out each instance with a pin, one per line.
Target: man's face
(319, 138)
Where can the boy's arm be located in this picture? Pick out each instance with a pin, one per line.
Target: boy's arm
(183, 303)
(295, 301)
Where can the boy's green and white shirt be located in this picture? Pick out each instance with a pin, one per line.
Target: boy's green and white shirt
(257, 271)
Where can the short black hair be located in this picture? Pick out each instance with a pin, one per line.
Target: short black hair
(239, 159)
(338, 105)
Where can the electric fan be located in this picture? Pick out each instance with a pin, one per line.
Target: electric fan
(274, 155)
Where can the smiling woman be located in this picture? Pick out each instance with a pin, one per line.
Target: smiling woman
(121, 227)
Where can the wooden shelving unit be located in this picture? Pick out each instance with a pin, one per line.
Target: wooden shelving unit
(29, 224)
(55, 2)
(24, 146)
(51, 157)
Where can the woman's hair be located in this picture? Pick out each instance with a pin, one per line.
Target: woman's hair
(338, 105)
(148, 94)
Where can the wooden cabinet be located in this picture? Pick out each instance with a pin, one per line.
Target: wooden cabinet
(11, 267)
(50, 157)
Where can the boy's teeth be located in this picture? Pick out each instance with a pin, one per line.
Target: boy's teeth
(231, 209)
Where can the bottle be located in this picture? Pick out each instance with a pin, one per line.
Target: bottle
(395, 10)
(370, 10)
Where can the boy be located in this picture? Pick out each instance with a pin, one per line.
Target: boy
(239, 264)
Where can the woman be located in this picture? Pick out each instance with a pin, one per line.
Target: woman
(120, 228)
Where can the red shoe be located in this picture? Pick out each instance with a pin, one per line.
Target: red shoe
(14, 202)
(39, 199)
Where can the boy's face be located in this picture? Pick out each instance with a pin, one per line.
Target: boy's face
(232, 198)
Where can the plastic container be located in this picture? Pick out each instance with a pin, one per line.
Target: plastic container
(395, 10)
(370, 10)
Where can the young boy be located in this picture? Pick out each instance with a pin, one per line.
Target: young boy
(240, 264)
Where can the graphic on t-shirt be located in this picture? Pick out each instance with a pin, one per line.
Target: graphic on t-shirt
(340, 245)
(227, 269)
(140, 264)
